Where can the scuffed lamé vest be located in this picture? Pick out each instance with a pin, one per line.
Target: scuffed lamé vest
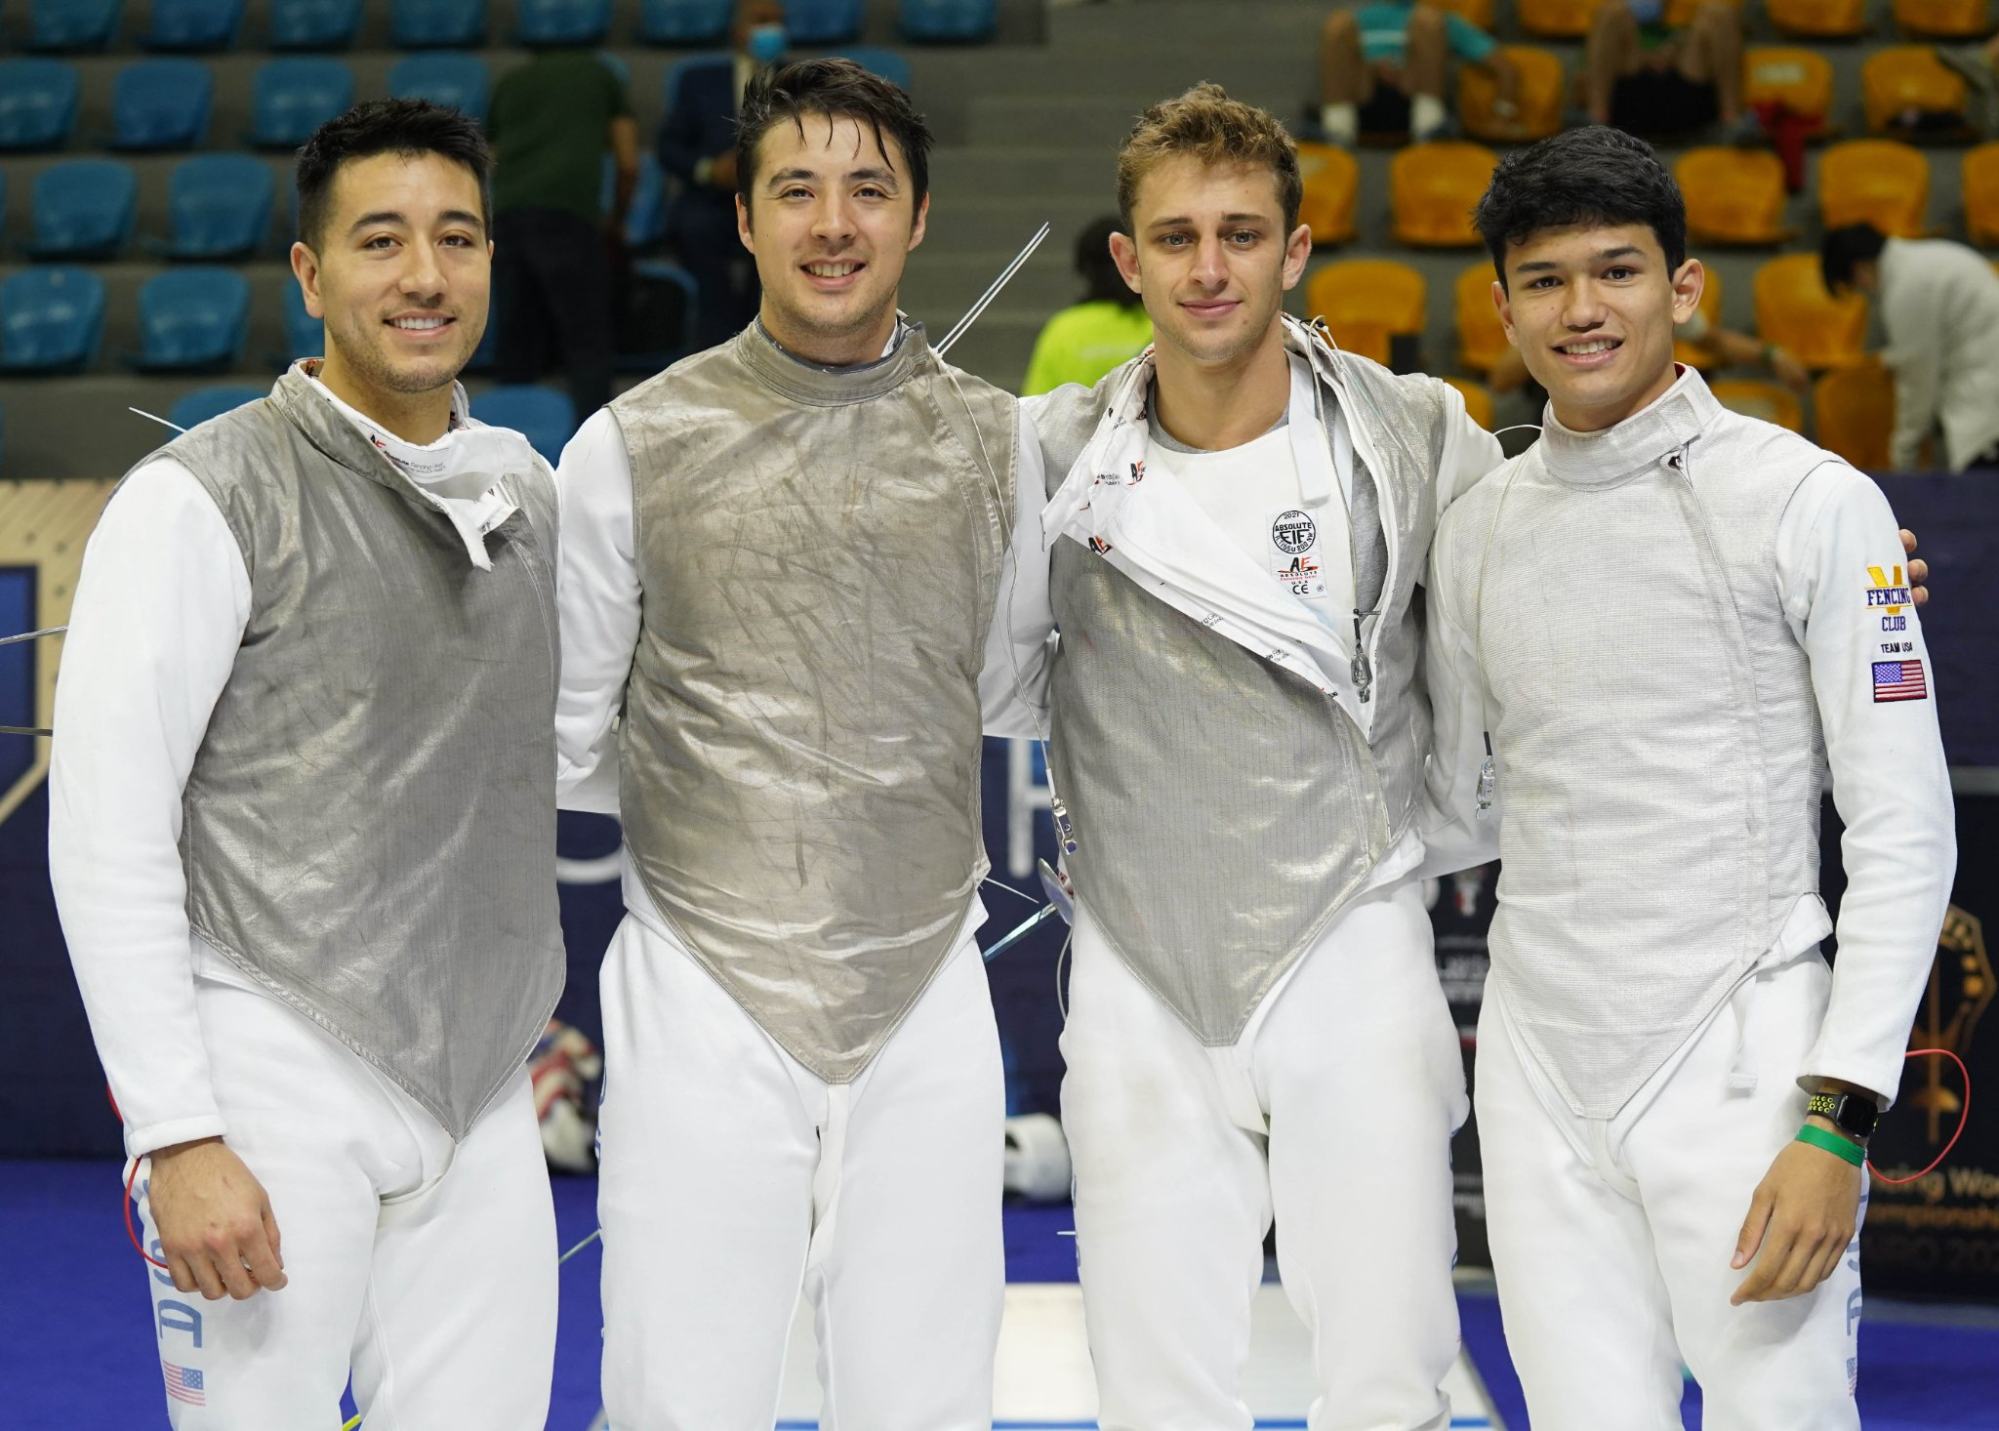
(820, 553)
(369, 825)
(1658, 747)
(1225, 810)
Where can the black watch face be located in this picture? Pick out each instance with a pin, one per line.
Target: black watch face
(1856, 1115)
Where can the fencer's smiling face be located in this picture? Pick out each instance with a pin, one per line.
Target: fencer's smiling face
(1591, 309)
(832, 223)
(1210, 256)
(401, 272)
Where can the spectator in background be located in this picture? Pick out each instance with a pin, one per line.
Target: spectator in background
(1383, 67)
(552, 121)
(1649, 78)
(1083, 342)
(1939, 305)
(697, 145)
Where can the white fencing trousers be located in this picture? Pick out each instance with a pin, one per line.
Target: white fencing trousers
(1334, 1111)
(1612, 1238)
(730, 1175)
(427, 1266)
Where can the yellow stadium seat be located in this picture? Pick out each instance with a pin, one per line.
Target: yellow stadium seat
(1479, 12)
(1540, 99)
(1332, 179)
(1876, 181)
(1361, 298)
(1478, 402)
(1556, 19)
(1794, 311)
(1773, 402)
(1798, 79)
(1944, 19)
(1481, 336)
(1432, 189)
(1981, 193)
(1733, 195)
(1855, 408)
(1904, 77)
(1710, 309)
(1818, 19)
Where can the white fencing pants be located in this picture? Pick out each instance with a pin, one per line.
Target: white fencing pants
(730, 1175)
(1334, 1111)
(429, 1265)
(1612, 1238)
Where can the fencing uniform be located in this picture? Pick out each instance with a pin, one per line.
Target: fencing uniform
(1657, 998)
(301, 812)
(785, 577)
(1238, 732)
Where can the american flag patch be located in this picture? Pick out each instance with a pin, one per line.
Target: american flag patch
(1899, 681)
(184, 1384)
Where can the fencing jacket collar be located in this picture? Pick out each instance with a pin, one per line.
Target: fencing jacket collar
(1637, 444)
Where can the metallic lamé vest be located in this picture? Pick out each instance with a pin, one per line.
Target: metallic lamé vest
(799, 759)
(1658, 745)
(1226, 811)
(369, 825)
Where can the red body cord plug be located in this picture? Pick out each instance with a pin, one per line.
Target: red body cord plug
(1963, 1114)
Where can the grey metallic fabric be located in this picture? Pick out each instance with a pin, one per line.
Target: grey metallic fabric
(1225, 811)
(1658, 744)
(820, 552)
(369, 826)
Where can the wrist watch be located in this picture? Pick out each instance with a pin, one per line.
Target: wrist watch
(1853, 1114)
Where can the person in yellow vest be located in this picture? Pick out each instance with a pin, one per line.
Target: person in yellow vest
(1086, 340)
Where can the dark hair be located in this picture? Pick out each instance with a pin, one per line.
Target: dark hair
(1595, 175)
(1844, 249)
(1102, 283)
(385, 126)
(836, 89)
(1205, 123)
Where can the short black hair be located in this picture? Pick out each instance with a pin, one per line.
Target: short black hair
(1592, 175)
(1844, 249)
(835, 89)
(386, 126)
(1102, 283)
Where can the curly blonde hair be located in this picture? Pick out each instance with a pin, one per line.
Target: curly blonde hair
(1206, 124)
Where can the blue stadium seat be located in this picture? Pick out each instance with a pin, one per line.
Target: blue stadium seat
(562, 22)
(461, 81)
(438, 24)
(645, 225)
(685, 22)
(875, 60)
(51, 320)
(963, 21)
(192, 319)
(161, 104)
(314, 24)
(194, 26)
(83, 208)
(542, 415)
(73, 25)
(305, 336)
(37, 103)
(822, 22)
(203, 403)
(219, 206)
(292, 98)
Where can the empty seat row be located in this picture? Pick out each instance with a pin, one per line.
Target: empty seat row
(218, 207)
(211, 26)
(190, 319)
(1807, 19)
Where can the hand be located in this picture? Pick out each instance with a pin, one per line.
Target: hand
(722, 170)
(215, 1223)
(1919, 571)
(1800, 1222)
(1789, 371)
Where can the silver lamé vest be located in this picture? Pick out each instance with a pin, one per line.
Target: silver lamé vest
(369, 825)
(1657, 741)
(1225, 810)
(820, 552)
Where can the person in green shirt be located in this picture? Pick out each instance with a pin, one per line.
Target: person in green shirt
(1083, 342)
(552, 121)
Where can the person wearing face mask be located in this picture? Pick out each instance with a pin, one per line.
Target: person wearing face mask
(302, 782)
(1649, 78)
(784, 565)
(1674, 1091)
(697, 146)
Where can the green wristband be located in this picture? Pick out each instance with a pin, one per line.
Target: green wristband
(1832, 1142)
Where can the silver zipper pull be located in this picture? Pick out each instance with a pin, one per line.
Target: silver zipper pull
(1065, 828)
(1488, 777)
(1363, 669)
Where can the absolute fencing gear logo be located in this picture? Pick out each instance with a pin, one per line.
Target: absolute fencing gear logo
(1294, 532)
